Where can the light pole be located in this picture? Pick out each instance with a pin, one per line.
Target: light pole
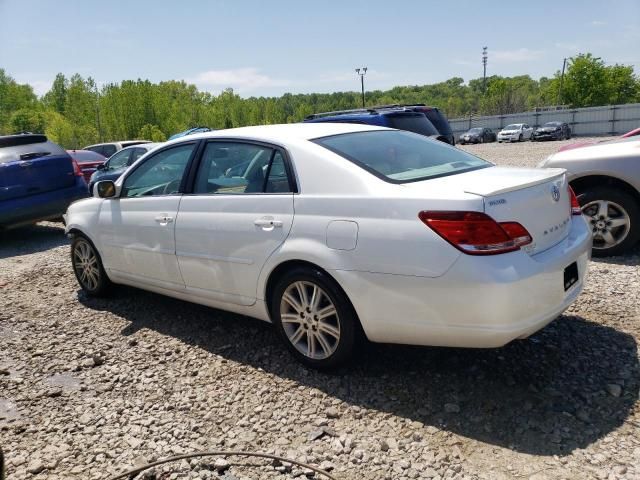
(485, 56)
(364, 72)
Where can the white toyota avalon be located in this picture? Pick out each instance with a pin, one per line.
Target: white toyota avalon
(337, 231)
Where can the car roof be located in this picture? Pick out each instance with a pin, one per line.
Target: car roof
(146, 146)
(283, 133)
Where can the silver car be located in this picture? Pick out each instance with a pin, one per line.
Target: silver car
(606, 179)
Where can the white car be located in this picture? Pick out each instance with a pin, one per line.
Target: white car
(332, 231)
(516, 132)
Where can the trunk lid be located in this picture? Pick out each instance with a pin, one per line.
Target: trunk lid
(538, 199)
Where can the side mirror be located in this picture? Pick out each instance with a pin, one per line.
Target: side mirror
(102, 166)
(105, 189)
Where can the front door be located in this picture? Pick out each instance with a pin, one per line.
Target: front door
(137, 229)
(240, 212)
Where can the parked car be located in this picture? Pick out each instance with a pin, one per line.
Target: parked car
(88, 161)
(552, 131)
(108, 149)
(119, 162)
(606, 179)
(391, 116)
(477, 135)
(516, 132)
(38, 180)
(190, 131)
(334, 230)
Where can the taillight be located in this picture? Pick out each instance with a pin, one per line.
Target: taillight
(76, 168)
(476, 233)
(575, 205)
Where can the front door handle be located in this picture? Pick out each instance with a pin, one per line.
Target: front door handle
(267, 223)
(164, 219)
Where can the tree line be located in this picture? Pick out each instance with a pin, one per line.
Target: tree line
(75, 112)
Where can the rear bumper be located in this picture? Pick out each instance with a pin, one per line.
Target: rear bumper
(481, 302)
(44, 206)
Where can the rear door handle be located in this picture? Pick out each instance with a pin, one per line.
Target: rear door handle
(164, 219)
(267, 223)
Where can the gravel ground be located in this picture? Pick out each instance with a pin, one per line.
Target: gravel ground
(90, 387)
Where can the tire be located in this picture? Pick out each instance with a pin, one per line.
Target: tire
(621, 207)
(342, 328)
(520, 138)
(90, 273)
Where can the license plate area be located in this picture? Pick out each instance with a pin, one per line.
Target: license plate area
(570, 276)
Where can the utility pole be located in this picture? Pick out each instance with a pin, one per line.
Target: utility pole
(364, 72)
(559, 100)
(485, 56)
(98, 113)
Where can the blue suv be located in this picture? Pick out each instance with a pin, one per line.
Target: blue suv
(393, 116)
(38, 180)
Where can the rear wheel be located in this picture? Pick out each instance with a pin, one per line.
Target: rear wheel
(614, 219)
(88, 268)
(314, 318)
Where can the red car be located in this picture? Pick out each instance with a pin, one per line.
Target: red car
(87, 160)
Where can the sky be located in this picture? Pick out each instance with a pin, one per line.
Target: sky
(276, 46)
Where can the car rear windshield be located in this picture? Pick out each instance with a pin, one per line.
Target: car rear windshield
(437, 118)
(412, 122)
(14, 149)
(401, 157)
(86, 156)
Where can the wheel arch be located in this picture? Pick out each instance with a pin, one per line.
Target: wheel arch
(581, 184)
(279, 270)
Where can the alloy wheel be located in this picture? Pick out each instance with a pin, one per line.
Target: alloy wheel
(85, 262)
(310, 320)
(609, 222)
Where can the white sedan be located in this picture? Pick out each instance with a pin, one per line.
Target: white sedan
(334, 232)
(516, 132)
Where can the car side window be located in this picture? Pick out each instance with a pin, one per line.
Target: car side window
(160, 174)
(235, 168)
(136, 154)
(119, 160)
(277, 180)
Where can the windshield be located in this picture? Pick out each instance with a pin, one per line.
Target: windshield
(552, 124)
(475, 130)
(513, 126)
(399, 157)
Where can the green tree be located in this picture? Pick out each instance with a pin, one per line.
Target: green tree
(27, 120)
(151, 132)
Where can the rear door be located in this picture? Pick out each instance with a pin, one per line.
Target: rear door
(240, 212)
(31, 164)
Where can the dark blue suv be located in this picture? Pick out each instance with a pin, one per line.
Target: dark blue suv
(393, 116)
(38, 180)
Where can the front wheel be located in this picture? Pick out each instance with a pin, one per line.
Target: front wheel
(520, 138)
(314, 318)
(88, 268)
(614, 218)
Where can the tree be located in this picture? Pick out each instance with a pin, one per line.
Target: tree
(152, 132)
(56, 97)
(27, 120)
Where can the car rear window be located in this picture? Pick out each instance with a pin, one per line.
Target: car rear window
(87, 156)
(13, 149)
(437, 118)
(400, 157)
(414, 122)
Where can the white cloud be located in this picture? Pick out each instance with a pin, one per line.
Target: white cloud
(240, 79)
(598, 23)
(517, 55)
(466, 63)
